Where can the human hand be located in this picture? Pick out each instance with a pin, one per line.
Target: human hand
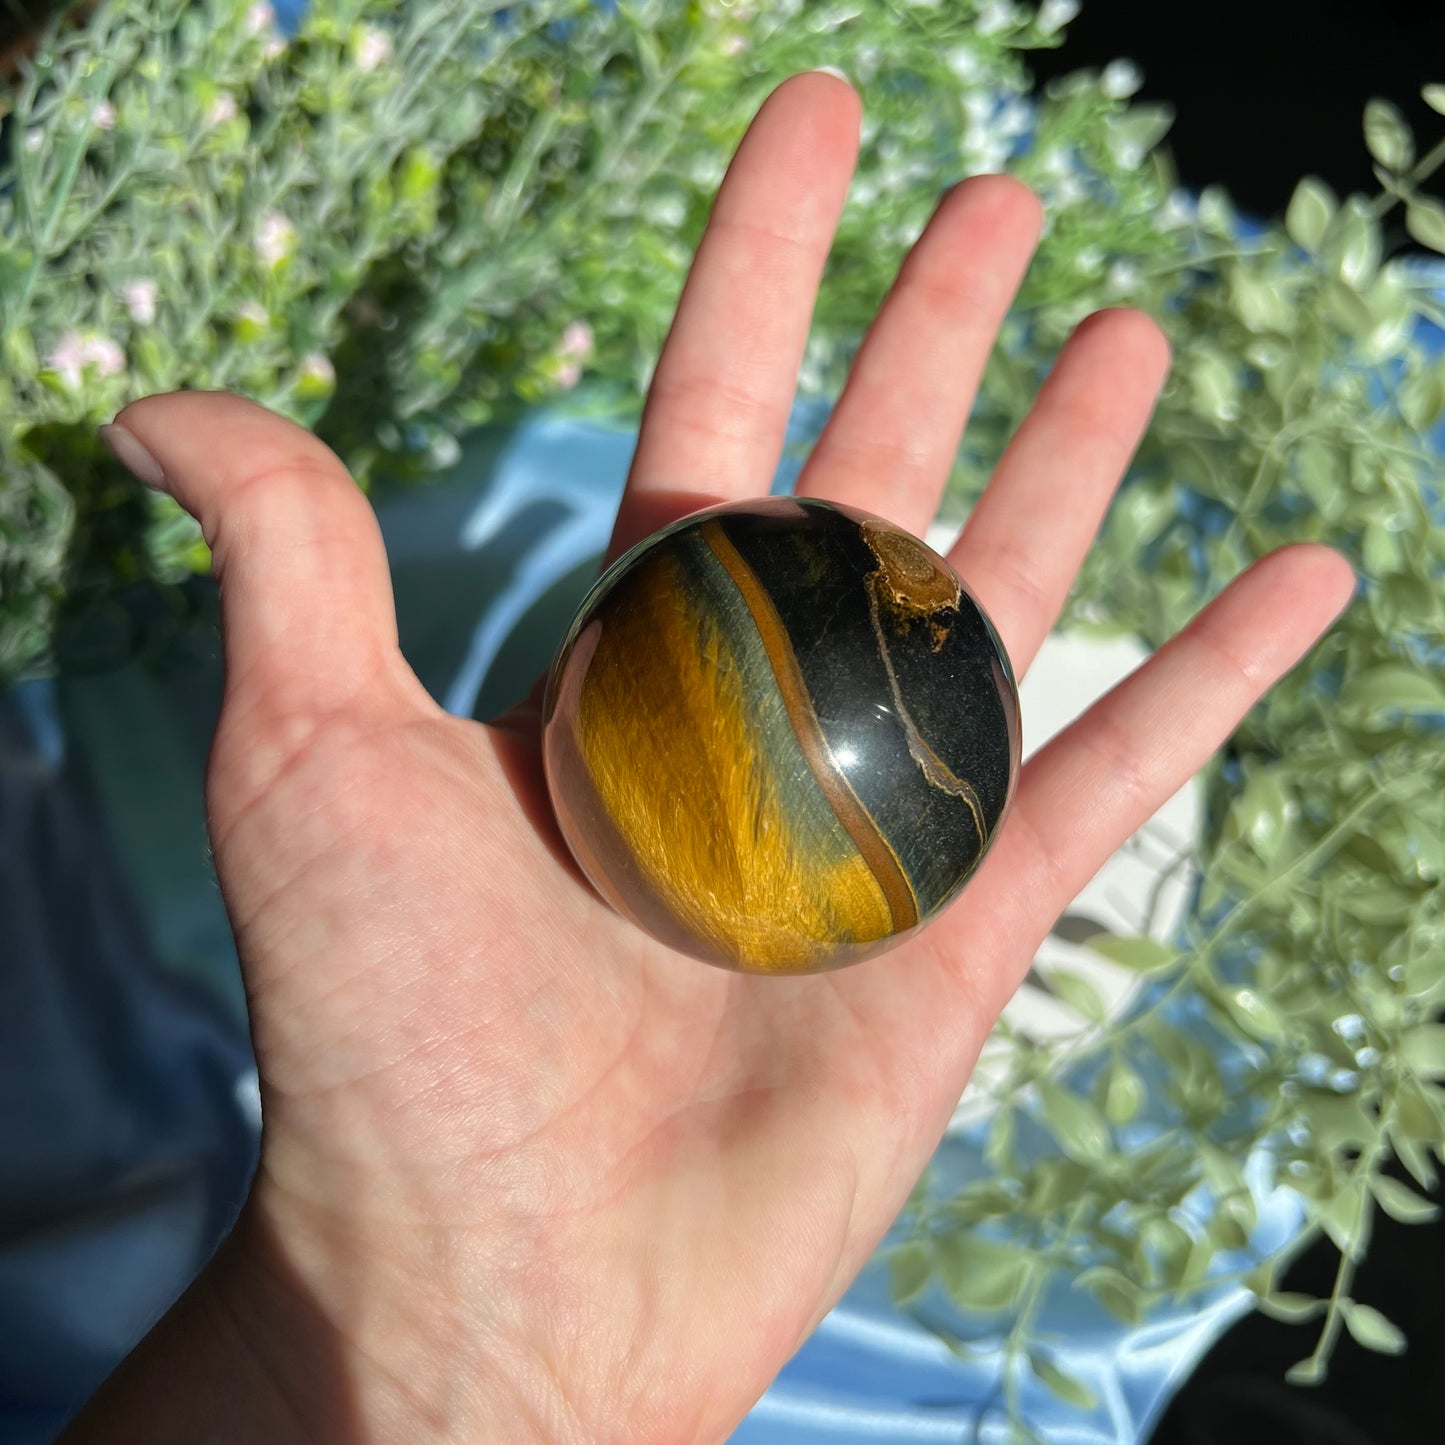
(525, 1174)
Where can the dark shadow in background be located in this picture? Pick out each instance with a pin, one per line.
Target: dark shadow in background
(1266, 91)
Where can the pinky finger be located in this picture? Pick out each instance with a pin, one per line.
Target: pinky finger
(1084, 793)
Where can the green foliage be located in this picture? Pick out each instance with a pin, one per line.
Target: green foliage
(1298, 408)
(413, 218)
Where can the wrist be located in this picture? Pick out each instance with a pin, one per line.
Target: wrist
(290, 1338)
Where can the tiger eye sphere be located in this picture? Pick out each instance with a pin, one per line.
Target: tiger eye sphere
(780, 735)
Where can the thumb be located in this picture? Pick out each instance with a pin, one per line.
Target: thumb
(307, 615)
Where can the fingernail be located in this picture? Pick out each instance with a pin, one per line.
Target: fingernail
(126, 448)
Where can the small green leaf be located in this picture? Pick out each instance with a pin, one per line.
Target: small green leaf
(980, 1273)
(1262, 813)
(1310, 209)
(1289, 1307)
(1434, 97)
(1216, 385)
(1144, 955)
(1123, 1092)
(1074, 1122)
(1425, 221)
(1197, 1262)
(1342, 1218)
(1115, 1291)
(1167, 1245)
(1387, 135)
(999, 1148)
(1416, 1158)
(1222, 1170)
(1066, 1387)
(1371, 1329)
(1421, 397)
(1401, 1202)
(1078, 993)
(1422, 1050)
(1348, 308)
(1233, 1221)
(1420, 1113)
(1336, 1121)
(911, 1269)
(1394, 687)
(1353, 246)
(1255, 1014)
(1055, 1183)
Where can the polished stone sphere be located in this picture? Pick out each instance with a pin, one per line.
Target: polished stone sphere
(780, 735)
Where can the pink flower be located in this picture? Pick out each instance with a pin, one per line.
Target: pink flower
(275, 238)
(317, 368)
(373, 48)
(734, 45)
(568, 375)
(272, 47)
(140, 300)
(76, 350)
(259, 18)
(576, 340)
(223, 108)
(103, 116)
(253, 316)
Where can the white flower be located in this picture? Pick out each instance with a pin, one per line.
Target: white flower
(864, 191)
(1178, 210)
(1128, 154)
(317, 368)
(259, 18)
(222, 109)
(1014, 118)
(272, 47)
(568, 375)
(275, 238)
(255, 313)
(1089, 259)
(1121, 78)
(577, 339)
(991, 156)
(1056, 161)
(977, 106)
(733, 45)
(994, 15)
(1069, 191)
(34, 139)
(140, 300)
(103, 116)
(373, 48)
(963, 61)
(76, 350)
(666, 211)
(445, 451)
(1055, 14)
(1123, 277)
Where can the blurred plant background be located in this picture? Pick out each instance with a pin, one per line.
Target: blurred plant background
(402, 221)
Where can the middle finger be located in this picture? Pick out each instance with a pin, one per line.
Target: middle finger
(892, 437)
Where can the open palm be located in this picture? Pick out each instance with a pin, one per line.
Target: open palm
(526, 1174)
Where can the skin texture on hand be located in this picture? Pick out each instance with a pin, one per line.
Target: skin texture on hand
(525, 1175)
